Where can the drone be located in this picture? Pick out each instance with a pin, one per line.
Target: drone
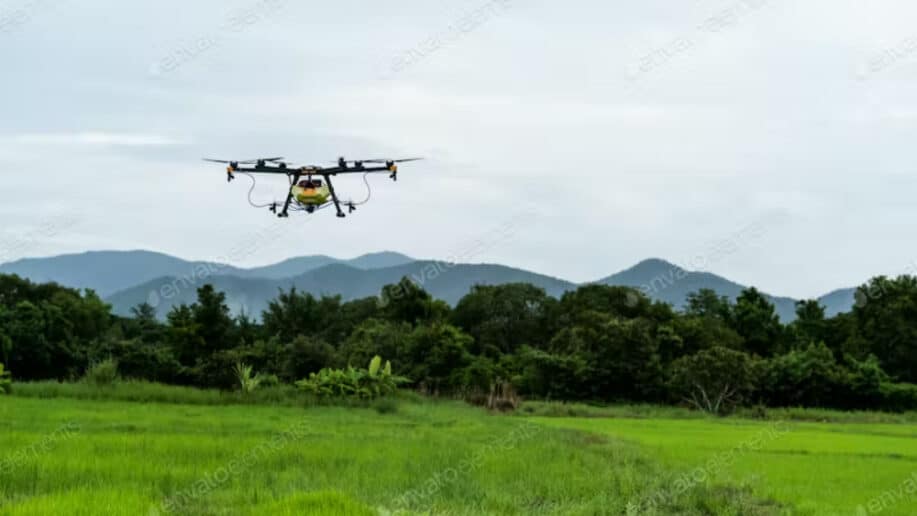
(310, 186)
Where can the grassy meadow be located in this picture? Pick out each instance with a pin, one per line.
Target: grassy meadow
(68, 451)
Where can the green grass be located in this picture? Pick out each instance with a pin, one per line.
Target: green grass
(818, 469)
(149, 449)
(422, 458)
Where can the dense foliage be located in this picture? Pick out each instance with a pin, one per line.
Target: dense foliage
(597, 343)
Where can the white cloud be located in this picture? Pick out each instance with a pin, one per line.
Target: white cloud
(531, 106)
(91, 139)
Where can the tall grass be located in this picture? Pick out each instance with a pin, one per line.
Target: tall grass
(147, 392)
(132, 458)
(583, 410)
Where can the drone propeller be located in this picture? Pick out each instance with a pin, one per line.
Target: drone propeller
(405, 160)
(245, 162)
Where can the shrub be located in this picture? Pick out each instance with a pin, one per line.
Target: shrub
(102, 374)
(248, 382)
(371, 383)
(6, 382)
(899, 397)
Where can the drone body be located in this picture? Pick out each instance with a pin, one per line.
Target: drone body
(310, 186)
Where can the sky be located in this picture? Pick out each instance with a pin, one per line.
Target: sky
(767, 141)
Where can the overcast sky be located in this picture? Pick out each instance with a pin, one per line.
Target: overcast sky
(770, 141)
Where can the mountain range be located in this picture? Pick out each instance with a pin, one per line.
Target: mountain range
(128, 278)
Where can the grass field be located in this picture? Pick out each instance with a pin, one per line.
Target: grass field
(86, 456)
(816, 468)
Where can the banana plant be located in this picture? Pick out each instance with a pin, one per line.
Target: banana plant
(6, 382)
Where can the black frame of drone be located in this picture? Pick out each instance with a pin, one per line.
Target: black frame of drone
(344, 166)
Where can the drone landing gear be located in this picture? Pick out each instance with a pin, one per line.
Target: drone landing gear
(286, 205)
(334, 197)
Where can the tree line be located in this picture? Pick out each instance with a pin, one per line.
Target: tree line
(596, 343)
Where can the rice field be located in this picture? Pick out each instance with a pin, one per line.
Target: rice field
(90, 456)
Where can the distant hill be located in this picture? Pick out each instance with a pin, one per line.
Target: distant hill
(839, 301)
(449, 282)
(296, 266)
(128, 278)
(670, 283)
(108, 272)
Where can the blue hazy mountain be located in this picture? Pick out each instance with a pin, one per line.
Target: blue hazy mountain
(449, 282)
(108, 272)
(670, 283)
(128, 278)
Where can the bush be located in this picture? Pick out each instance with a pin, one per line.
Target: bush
(248, 383)
(371, 383)
(6, 382)
(102, 374)
(899, 397)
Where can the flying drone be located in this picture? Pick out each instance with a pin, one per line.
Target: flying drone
(310, 186)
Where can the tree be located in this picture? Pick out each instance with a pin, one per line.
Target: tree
(886, 325)
(622, 357)
(623, 302)
(757, 322)
(375, 337)
(408, 302)
(306, 355)
(810, 324)
(714, 380)
(551, 376)
(503, 318)
(436, 353)
(706, 303)
(809, 377)
(214, 321)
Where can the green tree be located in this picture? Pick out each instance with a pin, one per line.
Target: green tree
(809, 377)
(757, 322)
(407, 302)
(886, 325)
(810, 324)
(215, 324)
(622, 357)
(436, 353)
(714, 380)
(306, 355)
(503, 318)
(375, 337)
(706, 303)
